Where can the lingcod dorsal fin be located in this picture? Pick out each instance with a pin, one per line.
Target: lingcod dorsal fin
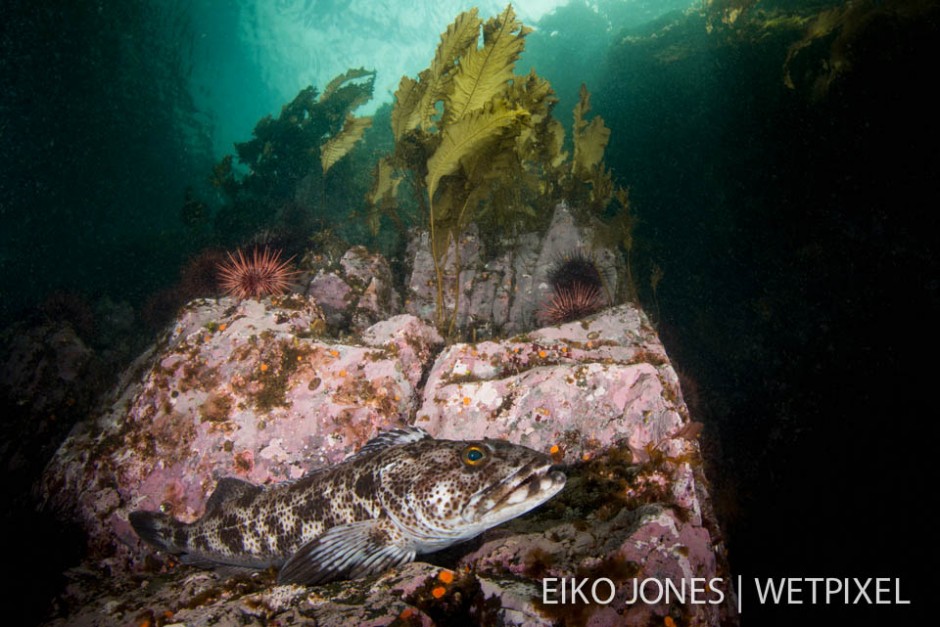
(348, 551)
(393, 437)
(230, 488)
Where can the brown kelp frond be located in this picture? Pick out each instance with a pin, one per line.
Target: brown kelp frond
(483, 73)
(479, 143)
(336, 147)
(467, 136)
(590, 138)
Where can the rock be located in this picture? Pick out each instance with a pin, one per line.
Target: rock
(43, 366)
(500, 296)
(49, 379)
(580, 387)
(413, 341)
(415, 594)
(599, 395)
(647, 542)
(333, 295)
(518, 601)
(235, 389)
(421, 299)
(356, 292)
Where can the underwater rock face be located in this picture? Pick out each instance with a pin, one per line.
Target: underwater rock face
(502, 295)
(238, 389)
(42, 365)
(48, 379)
(581, 386)
(358, 293)
(200, 598)
(599, 395)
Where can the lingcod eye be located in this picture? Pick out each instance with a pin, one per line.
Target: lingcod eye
(473, 455)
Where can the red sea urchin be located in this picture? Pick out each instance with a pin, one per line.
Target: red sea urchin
(264, 274)
(571, 303)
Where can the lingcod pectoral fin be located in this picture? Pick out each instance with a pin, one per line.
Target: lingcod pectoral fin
(346, 552)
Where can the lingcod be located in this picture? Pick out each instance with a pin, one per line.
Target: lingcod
(403, 494)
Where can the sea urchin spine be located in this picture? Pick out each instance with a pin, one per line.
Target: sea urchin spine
(571, 303)
(576, 267)
(577, 289)
(264, 274)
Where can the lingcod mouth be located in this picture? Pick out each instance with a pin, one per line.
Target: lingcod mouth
(542, 481)
(520, 492)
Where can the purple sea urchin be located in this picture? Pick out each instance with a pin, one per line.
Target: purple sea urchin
(575, 268)
(571, 303)
(264, 274)
(577, 289)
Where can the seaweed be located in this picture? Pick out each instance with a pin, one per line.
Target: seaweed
(842, 29)
(336, 147)
(311, 134)
(831, 34)
(478, 144)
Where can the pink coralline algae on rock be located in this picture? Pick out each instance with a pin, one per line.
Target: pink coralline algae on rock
(253, 390)
(241, 389)
(583, 387)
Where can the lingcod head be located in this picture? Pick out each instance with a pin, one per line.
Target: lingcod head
(443, 491)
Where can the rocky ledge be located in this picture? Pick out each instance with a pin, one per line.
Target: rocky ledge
(254, 390)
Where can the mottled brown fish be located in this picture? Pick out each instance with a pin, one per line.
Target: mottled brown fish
(403, 494)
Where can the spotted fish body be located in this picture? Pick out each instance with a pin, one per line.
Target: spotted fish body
(403, 494)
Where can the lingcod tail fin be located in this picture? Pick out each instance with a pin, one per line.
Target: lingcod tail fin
(157, 529)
